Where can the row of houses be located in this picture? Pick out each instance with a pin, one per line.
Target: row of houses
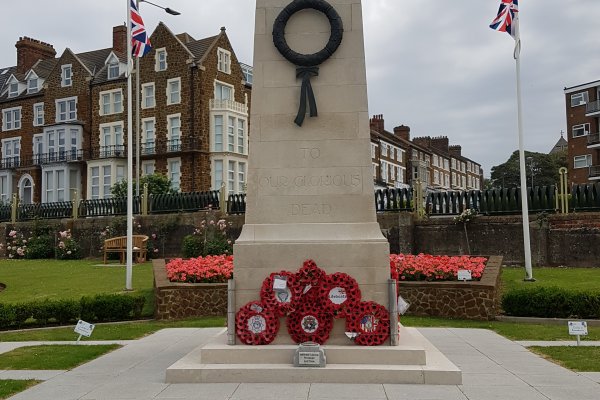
(64, 123)
(64, 119)
(399, 161)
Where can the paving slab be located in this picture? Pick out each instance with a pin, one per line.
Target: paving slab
(39, 375)
(137, 372)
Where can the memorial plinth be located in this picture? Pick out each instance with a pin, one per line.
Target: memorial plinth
(310, 197)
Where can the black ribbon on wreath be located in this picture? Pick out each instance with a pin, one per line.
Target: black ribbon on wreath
(307, 64)
(306, 93)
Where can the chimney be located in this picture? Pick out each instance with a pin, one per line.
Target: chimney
(30, 51)
(377, 123)
(455, 150)
(402, 132)
(441, 143)
(120, 39)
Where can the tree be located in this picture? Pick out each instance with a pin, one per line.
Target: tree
(542, 168)
(157, 184)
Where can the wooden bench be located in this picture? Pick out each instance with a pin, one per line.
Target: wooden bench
(119, 245)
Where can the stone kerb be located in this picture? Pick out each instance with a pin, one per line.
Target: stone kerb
(173, 300)
(478, 300)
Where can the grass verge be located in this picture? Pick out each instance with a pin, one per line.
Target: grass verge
(120, 331)
(580, 359)
(510, 330)
(57, 357)
(29, 280)
(578, 279)
(8, 387)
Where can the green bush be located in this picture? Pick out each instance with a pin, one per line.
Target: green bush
(41, 246)
(192, 246)
(111, 307)
(551, 302)
(108, 307)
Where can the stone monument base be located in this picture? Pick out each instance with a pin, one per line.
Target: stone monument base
(414, 361)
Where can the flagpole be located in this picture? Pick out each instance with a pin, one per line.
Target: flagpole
(524, 203)
(129, 262)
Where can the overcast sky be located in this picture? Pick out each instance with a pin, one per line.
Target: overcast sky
(433, 65)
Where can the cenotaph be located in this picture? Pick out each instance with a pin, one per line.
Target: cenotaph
(310, 196)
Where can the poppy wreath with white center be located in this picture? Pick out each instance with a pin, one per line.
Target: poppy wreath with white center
(255, 324)
(310, 323)
(341, 294)
(282, 302)
(372, 323)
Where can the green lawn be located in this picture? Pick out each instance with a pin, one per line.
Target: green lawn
(581, 359)
(510, 330)
(8, 387)
(52, 356)
(29, 280)
(568, 278)
(119, 331)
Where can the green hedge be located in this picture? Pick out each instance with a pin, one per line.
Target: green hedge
(551, 302)
(100, 308)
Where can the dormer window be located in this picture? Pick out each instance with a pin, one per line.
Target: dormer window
(224, 61)
(13, 89)
(161, 60)
(66, 75)
(32, 85)
(113, 69)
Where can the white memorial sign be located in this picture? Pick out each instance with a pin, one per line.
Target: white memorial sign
(84, 328)
(464, 275)
(578, 328)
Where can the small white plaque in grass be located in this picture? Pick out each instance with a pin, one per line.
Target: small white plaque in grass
(578, 328)
(83, 329)
(464, 275)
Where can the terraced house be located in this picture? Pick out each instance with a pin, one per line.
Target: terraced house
(64, 121)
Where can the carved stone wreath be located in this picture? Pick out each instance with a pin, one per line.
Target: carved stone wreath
(307, 64)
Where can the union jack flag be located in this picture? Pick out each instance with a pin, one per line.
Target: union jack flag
(140, 42)
(508, 18)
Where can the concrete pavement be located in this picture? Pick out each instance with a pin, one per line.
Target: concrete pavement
(493, 368)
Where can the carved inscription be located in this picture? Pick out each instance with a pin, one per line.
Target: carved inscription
(310, 209)
(310, 153)
(307, 181)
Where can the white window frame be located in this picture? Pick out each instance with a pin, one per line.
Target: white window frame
(223, 60)
(373, 150)
(13, 88)
(6, 179)
(13, 145)
(68, 112)
(66, 75)
(170, 127)
(219, 95)
(14, 122)
(584, 128)
(579, 99)
(158, 63)
(36, 88)
(116, 144)
(148, 148)
(145, 98)
(586, 157)
(38, 114)
(241, 176)
(148, 167)
(219, 145)
(170, 92)
(112, 68)
(112, 96)
(175, 184)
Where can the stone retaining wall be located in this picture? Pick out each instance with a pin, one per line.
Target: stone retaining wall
(185, 300)
(467, 300)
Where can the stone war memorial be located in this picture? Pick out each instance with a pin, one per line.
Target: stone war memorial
(312, 299)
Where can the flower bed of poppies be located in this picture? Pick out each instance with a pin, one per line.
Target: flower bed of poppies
(424, 267)
(209, 269)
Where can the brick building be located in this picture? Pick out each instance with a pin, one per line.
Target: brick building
(432, 161)
(583, 113)
(64, 120)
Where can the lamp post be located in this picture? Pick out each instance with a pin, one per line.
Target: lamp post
(138, 97)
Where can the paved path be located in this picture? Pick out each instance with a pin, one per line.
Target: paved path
(493, 368)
